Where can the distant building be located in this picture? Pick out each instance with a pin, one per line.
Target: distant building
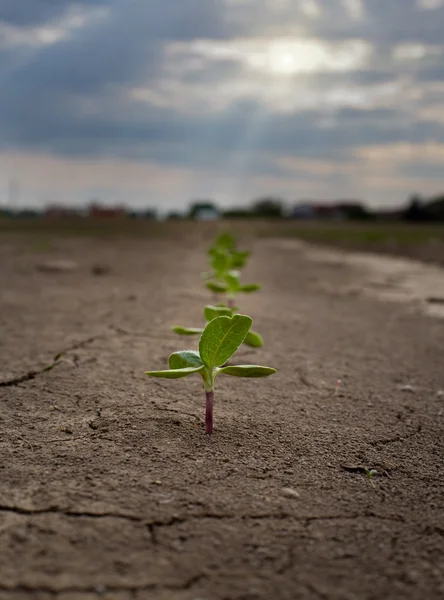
(303, 210)
(336, 211)
(204, 211)
(97, 210)
(207, 214)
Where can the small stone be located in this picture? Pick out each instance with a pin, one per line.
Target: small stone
(290, 493)
(408, 388)
(57, 266)
(100, 269)
(440, 393)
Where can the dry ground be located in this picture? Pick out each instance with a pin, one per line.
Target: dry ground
(110, 488)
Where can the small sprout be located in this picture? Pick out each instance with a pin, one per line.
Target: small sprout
(220, 339)
(223, 257)
(252, 339)
(232, 286)
(56, 361)
(225, 241)
(216, 287)
(239, 258)
(370, 473)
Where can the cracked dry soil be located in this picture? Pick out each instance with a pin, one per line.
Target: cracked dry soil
(109, 487)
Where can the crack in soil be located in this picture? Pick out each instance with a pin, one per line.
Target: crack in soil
(33, 373)
(104, 588)
(365, 515)
(154, 525)
(56, 510)
(28, 376)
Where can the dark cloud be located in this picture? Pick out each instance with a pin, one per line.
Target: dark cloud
(37, 12)
(71, 98)
(206, 140)
(125, 46)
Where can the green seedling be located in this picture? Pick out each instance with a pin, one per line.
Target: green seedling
(219, 341)
(238, 258)
(223, 256)
(252, 338)
(224, 241)
(222, 261)
(370, 473)
(231, 286)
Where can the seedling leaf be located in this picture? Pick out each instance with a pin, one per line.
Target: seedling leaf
(220, 261)
(248, 288)
(211, 312)
(247, 371)
(183, 359)
(225, 240)
(239, 258)
(216, 287)
(187, 330)
(175, 373)
(221, 338)
(232, 280)
(254, 339)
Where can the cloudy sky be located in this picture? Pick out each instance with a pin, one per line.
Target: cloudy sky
(156, 102)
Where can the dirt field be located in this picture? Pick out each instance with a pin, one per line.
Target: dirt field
(110, 488)
(419, 241)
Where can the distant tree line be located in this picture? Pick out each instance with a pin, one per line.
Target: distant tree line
(416, 209)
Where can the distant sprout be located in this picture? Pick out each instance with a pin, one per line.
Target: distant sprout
(239, 258)
(225, 241)
(232, 286)
(223, 256)
(219, 341)
(370, 473)
(216, 287)
(222, 261)
(252, 339)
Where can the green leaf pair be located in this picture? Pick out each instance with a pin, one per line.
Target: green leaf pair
(231, 285)
(224, 257)
(222, 261)
(219, 341)
(252, 339)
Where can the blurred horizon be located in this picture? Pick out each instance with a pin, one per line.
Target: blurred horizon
(154, 104)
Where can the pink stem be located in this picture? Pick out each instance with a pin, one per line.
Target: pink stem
(230, 303)
(209, 412)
